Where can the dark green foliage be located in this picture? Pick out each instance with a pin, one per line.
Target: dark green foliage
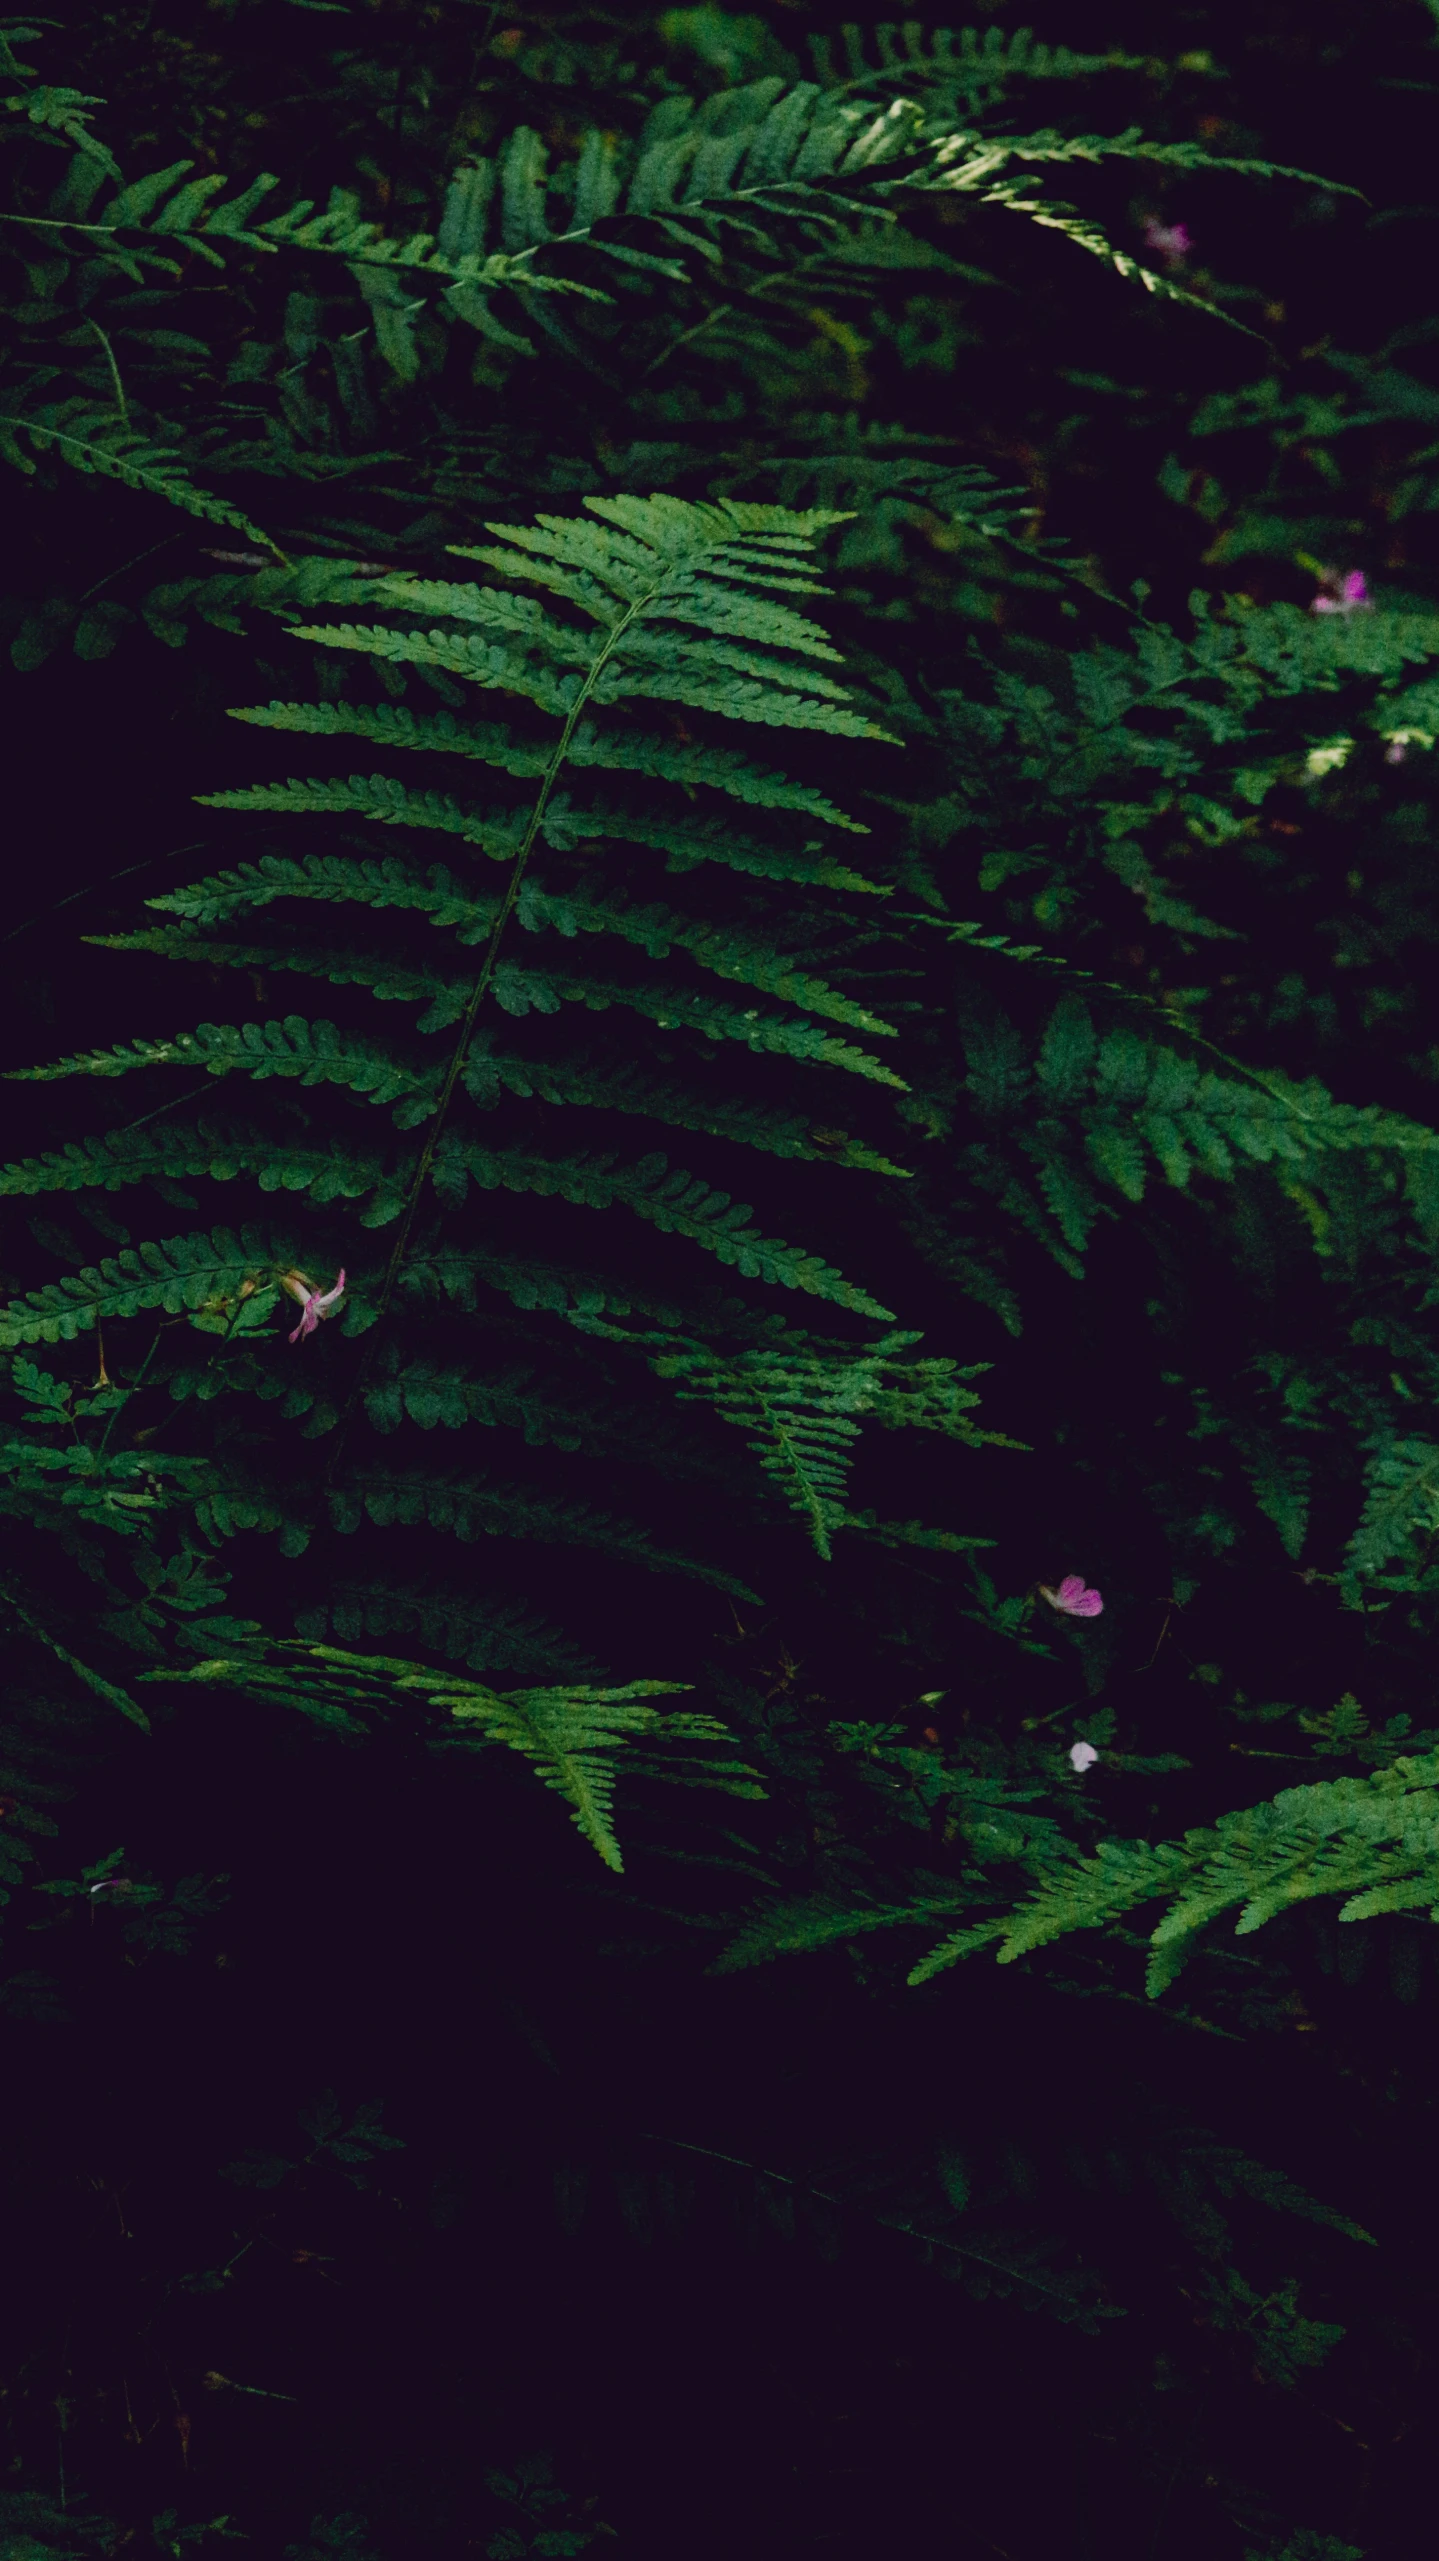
(957, 853)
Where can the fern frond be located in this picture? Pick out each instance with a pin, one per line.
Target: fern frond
(978, 64)
(388, 981)
(961, 168)
(799, 1408)
(725, 769)
(329, 879)
(104, 444)
(673, 1201)
(668, 1198)
(1401, 1511)
(944, 1542)
(574, 1736)
(458, 1275)
(1051, 147)
(452, 905)
(208, 1151)
(722, 769)
(349, 1171)
(436, 1393)
(385, 803)
(486, 1632)
(474, 1507)
(1094, 1111)
(1375, 1841)
(569, 1736)
(215, 1273)
(310, 1053)
(589, 1081)
(812, 1921)
(517, 990)
(394, 725)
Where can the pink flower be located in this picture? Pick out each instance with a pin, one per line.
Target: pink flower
(1075, 1597)
(1344, 596)
(1082, 1757)
(1396, 753)
(314, 1303)
(1167, 240)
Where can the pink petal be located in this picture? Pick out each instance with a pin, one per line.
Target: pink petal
(1353, 595)
(1075, 1597)
(318, 1303)
(1167, 240)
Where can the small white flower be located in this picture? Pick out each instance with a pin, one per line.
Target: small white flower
(1082, 1757)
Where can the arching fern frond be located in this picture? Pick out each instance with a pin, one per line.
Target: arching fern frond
(976, 64)
(1092, 1111)
(800, 1404)
(627, 641)
(1374, 1840)
(104, 444)
(578, 1739)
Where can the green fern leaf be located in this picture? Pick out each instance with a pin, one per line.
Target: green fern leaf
(104, 444)
(214, 1274)
(473, 1507)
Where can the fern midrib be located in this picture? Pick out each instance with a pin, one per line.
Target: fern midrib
(813, 1500)
(482, 984)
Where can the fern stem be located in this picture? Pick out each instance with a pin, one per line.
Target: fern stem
(121, 402)
(481, 986)
(721, 312)
(812, 1499)
(160, 1110)
(136, 1383)
(42, 914)
(1038, 2278)
(112, 574)
(59, 222)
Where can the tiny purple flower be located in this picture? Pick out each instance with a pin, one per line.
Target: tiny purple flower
(314, 1303)
(1075, 1597)
(1342, 595)
(1169, 241)
(1396, 753)
(1082, 1757)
